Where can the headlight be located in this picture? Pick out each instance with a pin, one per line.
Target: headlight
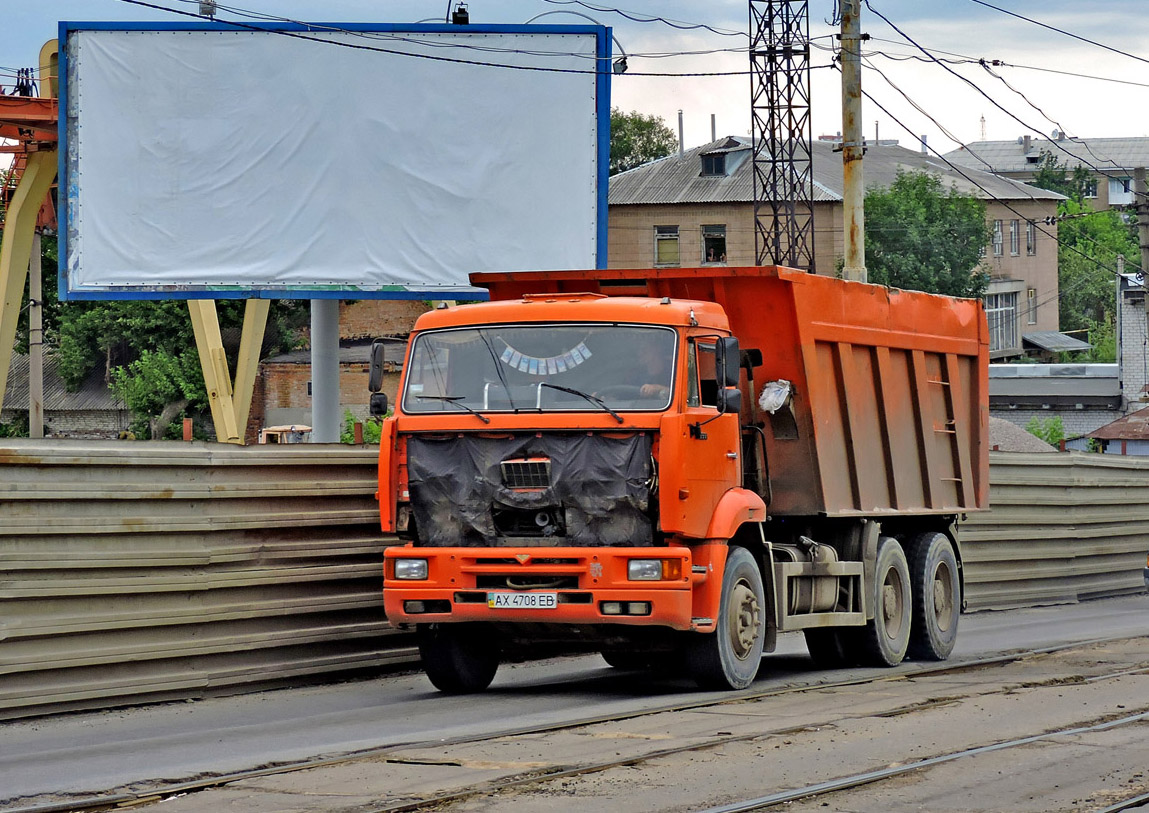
(653, 570)
(644, 570)
(410, 569)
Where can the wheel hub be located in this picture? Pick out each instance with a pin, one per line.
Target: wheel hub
(745, 620)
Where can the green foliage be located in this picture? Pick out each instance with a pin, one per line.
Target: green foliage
(18, 428)
(158, 387)
(922, 237)
(1051, 430)
(372, 429)
(636, 139)
(1089, 245)
(1087, 262)
(1103, 336)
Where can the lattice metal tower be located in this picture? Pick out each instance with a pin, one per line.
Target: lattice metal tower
(780, 107)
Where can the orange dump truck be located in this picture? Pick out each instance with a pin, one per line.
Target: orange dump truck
(672, 466)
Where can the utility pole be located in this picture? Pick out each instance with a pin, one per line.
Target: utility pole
(854, 190)
(35, 342)
(1141, 206)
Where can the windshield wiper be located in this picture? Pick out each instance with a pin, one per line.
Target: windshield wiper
(592, 398)
(456, 400)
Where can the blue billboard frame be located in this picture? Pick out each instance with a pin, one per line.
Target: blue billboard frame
(603, 54)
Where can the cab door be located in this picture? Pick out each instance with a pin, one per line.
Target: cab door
(699, 456)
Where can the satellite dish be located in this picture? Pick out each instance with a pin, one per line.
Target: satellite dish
(1056, 134)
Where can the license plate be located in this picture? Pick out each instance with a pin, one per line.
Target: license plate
(522, 601)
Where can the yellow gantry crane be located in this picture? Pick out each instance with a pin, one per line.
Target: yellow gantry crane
(33, 122)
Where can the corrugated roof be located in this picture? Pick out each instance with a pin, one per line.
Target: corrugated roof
(1132, 427)
(1107, 154)
(680, 180)
(356, 353)
(92, 395)
(1055, 342)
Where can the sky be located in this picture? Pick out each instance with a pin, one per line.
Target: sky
(1035, 92)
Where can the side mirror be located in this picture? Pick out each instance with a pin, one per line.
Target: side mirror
(375, 378)
(378, 404)
(728, 360)
(729, 400)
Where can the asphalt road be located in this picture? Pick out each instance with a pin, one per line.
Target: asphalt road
(51, 758)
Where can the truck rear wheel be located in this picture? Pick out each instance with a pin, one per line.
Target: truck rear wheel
(458, 658)
(937, 603)
(886, 637)
(729, 657)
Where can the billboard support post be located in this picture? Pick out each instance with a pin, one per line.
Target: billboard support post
(229, 407)
(16, 248)
(325, 371)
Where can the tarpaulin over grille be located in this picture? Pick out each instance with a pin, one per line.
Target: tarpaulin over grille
(599, 483)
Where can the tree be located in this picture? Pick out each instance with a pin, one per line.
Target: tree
(1089, 243)
(636, 139)
(922, 237)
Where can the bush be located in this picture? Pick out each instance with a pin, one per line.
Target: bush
(1051, 430)
(372, 429)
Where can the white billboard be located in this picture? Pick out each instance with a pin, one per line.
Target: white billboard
(331, 160)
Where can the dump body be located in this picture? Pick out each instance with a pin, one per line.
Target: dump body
(889, 413)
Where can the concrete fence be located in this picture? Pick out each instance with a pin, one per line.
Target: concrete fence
(132, 572)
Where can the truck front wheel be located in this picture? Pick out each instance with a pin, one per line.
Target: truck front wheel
(729, 657)
(937, 602)
(458, 658)
(886, 637)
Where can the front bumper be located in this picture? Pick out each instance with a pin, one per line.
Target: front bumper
(584, 582)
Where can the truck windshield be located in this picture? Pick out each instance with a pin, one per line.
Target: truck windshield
(546, 368)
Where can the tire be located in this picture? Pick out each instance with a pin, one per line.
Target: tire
(936, 597)
(886, 637)
(729, 657)
(829, 647)
(458, 658)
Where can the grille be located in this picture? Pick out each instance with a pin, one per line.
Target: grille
(531, 472)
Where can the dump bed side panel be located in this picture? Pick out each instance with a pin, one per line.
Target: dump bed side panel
(890, 409)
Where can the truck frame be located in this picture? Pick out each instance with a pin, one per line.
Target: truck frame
(797, 460)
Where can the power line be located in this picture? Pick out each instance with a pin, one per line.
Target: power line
(431, 57)
(1061, 292)
(991, 100)
(1059, 30)
(642, 18)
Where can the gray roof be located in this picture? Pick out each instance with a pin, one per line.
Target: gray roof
(1110, 155)
(92, 395)
(679, 180)
(1055, 342)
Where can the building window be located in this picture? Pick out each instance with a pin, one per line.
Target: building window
(714, 164)
(713, 244)
(1001, 314)
(1014, 238)
(1031, 238)
(1031, 306)
(1091, 188)
(666, 250)
(997, 238)
(1120, 191)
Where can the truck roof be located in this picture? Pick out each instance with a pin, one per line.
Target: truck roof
(580, 307)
